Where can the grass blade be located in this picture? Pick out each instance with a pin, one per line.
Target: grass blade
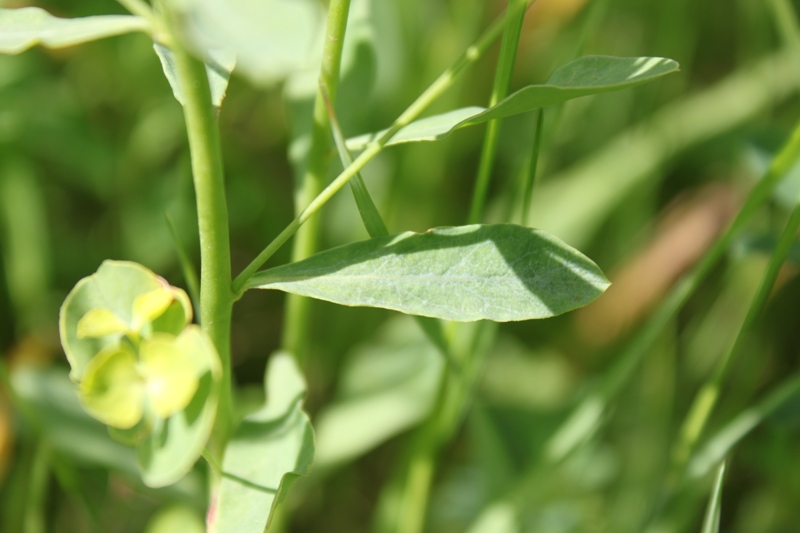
(711, 521)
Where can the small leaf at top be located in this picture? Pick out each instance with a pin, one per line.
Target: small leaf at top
(271, 38)
(112, 390)
(583, 77)
(499, 272)
(219, 66)
(25, 27)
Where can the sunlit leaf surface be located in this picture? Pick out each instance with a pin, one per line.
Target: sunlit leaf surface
(582, 77)
(499, 272)
(23, 28)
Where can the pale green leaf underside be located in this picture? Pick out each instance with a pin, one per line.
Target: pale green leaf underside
(499, 272)
(583, 77)
(271, 38)
(23, 28)
(269, 450)
(218, 69)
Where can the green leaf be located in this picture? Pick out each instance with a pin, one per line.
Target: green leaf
(219, 66)
(175, 444)
(386, 387)
(271, 38)
(112, 390)
(269, 451)
(26, 27)
(583, 77)
(114, 287)
(499, 272)
(711, 520)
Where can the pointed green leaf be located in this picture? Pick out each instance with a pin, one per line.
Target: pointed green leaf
(499, 272)
(270, 450)
(271, 38)
(112, 390)
(26, 27)
(583, 77)
(175, 444)
(219, 66)
(113, 288)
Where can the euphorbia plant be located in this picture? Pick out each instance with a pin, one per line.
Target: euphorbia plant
(164, 385)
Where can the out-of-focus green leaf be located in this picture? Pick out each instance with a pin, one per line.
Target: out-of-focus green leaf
(270, 38)
(387, 386)
(175, 444)
(269, 451)
(711, 520)
(500, 272)
(176, 518)
(114, 287)
(219, 66)
(582, 77)
(26, 27)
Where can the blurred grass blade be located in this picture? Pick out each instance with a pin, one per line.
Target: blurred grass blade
(707, 397)
(498, 272)
(219, 66)
(502, 81)
(533, 164)
(718, 446)
(582, 77)
(366, 206)
(26, 27)
(187, 267)
(711, 521)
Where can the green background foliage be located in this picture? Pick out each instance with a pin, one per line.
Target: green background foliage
(93, 155)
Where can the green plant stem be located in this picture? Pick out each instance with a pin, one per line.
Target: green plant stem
(587, 415)
(708, 395)
(515, 14)
(295, 332)
(37, 489)
(786, 21)
(439, 86)
(139, 8)
(216, 299)
(533, 164)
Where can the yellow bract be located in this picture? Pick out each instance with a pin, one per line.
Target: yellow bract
(169, 373)
(99, 323)
(112, 390)
(149, 306)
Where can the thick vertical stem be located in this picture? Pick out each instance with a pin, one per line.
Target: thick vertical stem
(216, 298)
(305, 244)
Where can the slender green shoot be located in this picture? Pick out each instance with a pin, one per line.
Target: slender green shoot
(437, 88)
(708, 395)
(714, 509)
(188, 269)
(532, 174)
(295, 333)
(786, 21)
(139, 8)
(502, 82)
